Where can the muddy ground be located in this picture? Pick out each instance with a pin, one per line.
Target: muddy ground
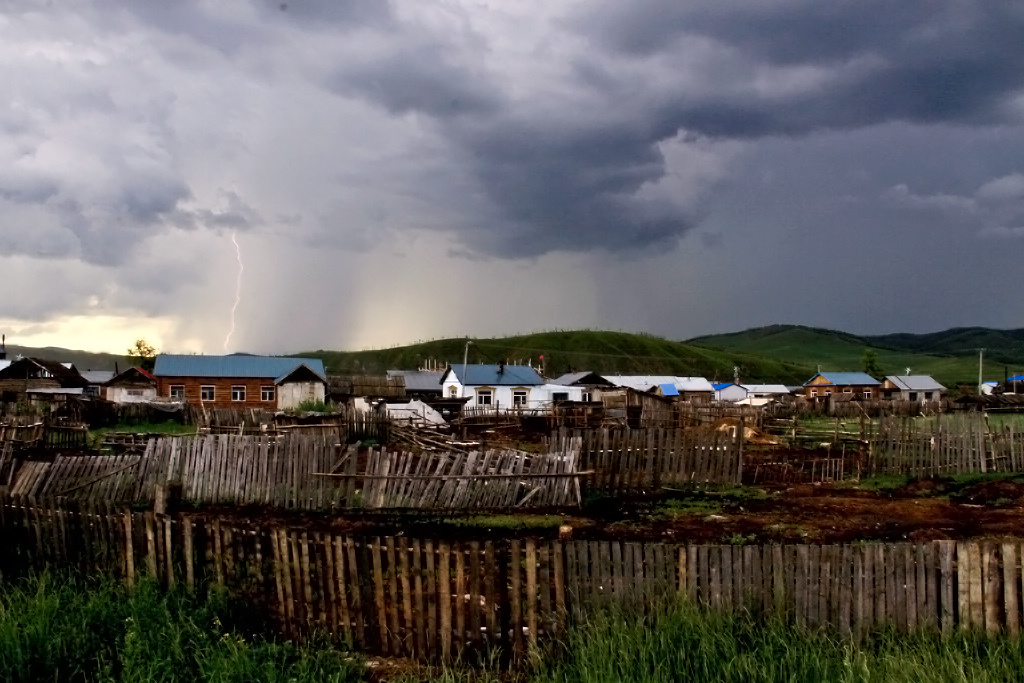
(907, 510)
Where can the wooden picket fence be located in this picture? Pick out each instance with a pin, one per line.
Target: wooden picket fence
(493, 479)
(436, 598)
(639, 460)
(308, 473)
(954, 443)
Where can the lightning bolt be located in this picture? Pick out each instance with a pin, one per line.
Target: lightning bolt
(238, 289)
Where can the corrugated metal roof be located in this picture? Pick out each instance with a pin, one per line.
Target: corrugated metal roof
(569, 378)
(496, 375)
(766, 388)
(277, 367)
(847, 379)
(97, 376)
(669, 390)
(648, 382)
(419, 380)
(915, 383)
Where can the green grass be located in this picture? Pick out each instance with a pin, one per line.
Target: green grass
(509, 522)
(58, 627)
(170, 427)
(682, 643)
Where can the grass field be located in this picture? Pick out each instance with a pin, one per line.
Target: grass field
(56, 627)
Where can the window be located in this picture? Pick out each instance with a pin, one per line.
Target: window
(867, 393)
(484, 397)
(848, 390)
(238, 393)
(453, 391)
(519, 398)
(814, 392)
(828, 392)
(927, 395)
(177, 391)
(587, 396)
(266, 393)
(206, 392)
(137, 393)
(913, 395)
(560, 396)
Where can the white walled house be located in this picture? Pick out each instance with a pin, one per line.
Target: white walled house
(730, 392)
(134, 385)
(504, 387)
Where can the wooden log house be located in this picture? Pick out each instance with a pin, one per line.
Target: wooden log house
(240, 381)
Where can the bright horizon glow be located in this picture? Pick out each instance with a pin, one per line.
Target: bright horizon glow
(93, 333)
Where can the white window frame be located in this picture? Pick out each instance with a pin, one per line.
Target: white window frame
(485, 397)
(268, 393)
(867, 393)
(207, 393)
(176, 391)
(453, 391)
(520, 398)
(238, 393)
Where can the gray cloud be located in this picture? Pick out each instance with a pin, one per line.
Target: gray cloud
(689, 152)
(572, 179)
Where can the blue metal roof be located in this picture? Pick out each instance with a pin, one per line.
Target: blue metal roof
(669, 390)
(1015, 378)
(496, 375)
(722, 385)
(277, 367)
(847, 379)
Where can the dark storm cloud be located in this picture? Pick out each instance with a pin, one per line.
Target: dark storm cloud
(422, 78)
(569, 190)
(914, 61)
(574, 177)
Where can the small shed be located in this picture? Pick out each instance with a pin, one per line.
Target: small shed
(914, 388)
(134, 385)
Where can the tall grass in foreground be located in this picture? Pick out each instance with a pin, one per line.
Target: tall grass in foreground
(684, 643)
(57, 627)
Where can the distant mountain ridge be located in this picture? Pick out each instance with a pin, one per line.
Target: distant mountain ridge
(788, 354)
(951, 356)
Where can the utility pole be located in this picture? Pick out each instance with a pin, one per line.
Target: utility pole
(981, 353)
(465, 359)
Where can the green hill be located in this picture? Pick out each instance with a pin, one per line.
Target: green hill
(789, 354)
(83, 360)
(951, 357)
(602, 352)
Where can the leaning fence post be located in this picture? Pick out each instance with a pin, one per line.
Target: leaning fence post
(129, 551)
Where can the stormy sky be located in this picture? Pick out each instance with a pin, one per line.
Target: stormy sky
(283, 176)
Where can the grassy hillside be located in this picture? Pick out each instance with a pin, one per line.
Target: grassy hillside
(789, 354)
(951, 357)
(603, 352)
(83, 360)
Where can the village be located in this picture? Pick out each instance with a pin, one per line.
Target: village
(444, 513)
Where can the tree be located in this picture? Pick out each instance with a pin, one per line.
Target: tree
(142, 354)
(869, 363)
